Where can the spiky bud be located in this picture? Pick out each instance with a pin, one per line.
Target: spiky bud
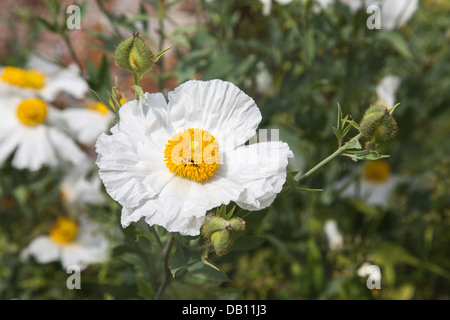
(134, 55)
(378, 122)
(222, 233)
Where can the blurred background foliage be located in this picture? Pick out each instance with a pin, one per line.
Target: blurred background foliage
(296, 63)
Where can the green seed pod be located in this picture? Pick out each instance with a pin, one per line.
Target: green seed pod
(237, 224)
(134, 55)
(222, 242)
(213, 224)
(378, 122)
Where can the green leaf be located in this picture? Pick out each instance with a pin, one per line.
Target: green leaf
(204, 260)
(396, 41)
(159, 55)
(250, 242)
(144, 243)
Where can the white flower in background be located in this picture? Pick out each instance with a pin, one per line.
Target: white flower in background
(80, 186)
(44, 79)
(144, 167)
(73, 242)
(394, 13)
(386, 90)
(334, 236)
(367, 269)
(31, 129)
(267, 5)
(86, 124)
(375, 185)
(264, 80)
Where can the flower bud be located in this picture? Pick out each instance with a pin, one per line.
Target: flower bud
(134, 55)
(222, 233)
(378, 122)
(213, 224)
(222, 242)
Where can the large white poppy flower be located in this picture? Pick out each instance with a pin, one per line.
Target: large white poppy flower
(44, 79)
(70, 241)
(31, 129)
(144, 168)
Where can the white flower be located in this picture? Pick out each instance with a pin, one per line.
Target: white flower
(31, 129)
(386, 90)
(86, 124)
(80, 187)
(71, 242)
(143, 168)
(367, 269)
(394, 13)
(331, 230)
(267, 5)
(375, 185)
(44, 79)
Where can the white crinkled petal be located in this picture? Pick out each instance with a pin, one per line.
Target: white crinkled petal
(131, 161)
(219, 107)
(9, 143)
(35, 149)
(64, 80)
(260, 168)
(66, 148)
(86, 125)
(395, 13)
(43, 249)
(183, 203)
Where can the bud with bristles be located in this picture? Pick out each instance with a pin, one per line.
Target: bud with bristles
(222, 233)
(378, 123)
(222, 242)
(134, 55)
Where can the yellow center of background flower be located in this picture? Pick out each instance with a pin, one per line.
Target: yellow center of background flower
(99, 107)
(193, 153)
(23, 78)
(32, 112)
(64, 231)
(377, 171)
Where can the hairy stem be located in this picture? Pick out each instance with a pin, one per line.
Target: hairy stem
(300, 177)
(166, 271)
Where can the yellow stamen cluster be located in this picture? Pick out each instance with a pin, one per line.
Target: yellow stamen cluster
(32, 111)
(377, 171)
(193, 153)
(23, 78)
(64, 231)
(99, 107)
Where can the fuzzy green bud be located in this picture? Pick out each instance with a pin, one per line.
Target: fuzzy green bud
(378, 123)
(213, 224)
(222, 242)
(134, 55)
(222, 233)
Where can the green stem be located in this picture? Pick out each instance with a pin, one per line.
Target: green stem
(74, 56)
(340, 150)
(137, 84)
(166, 270)
(161, 14)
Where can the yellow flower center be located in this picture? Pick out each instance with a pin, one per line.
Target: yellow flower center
(377, 171)
(99, 107)
(32, 112)
(193, 153)
(64, 231)
(23, 78)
